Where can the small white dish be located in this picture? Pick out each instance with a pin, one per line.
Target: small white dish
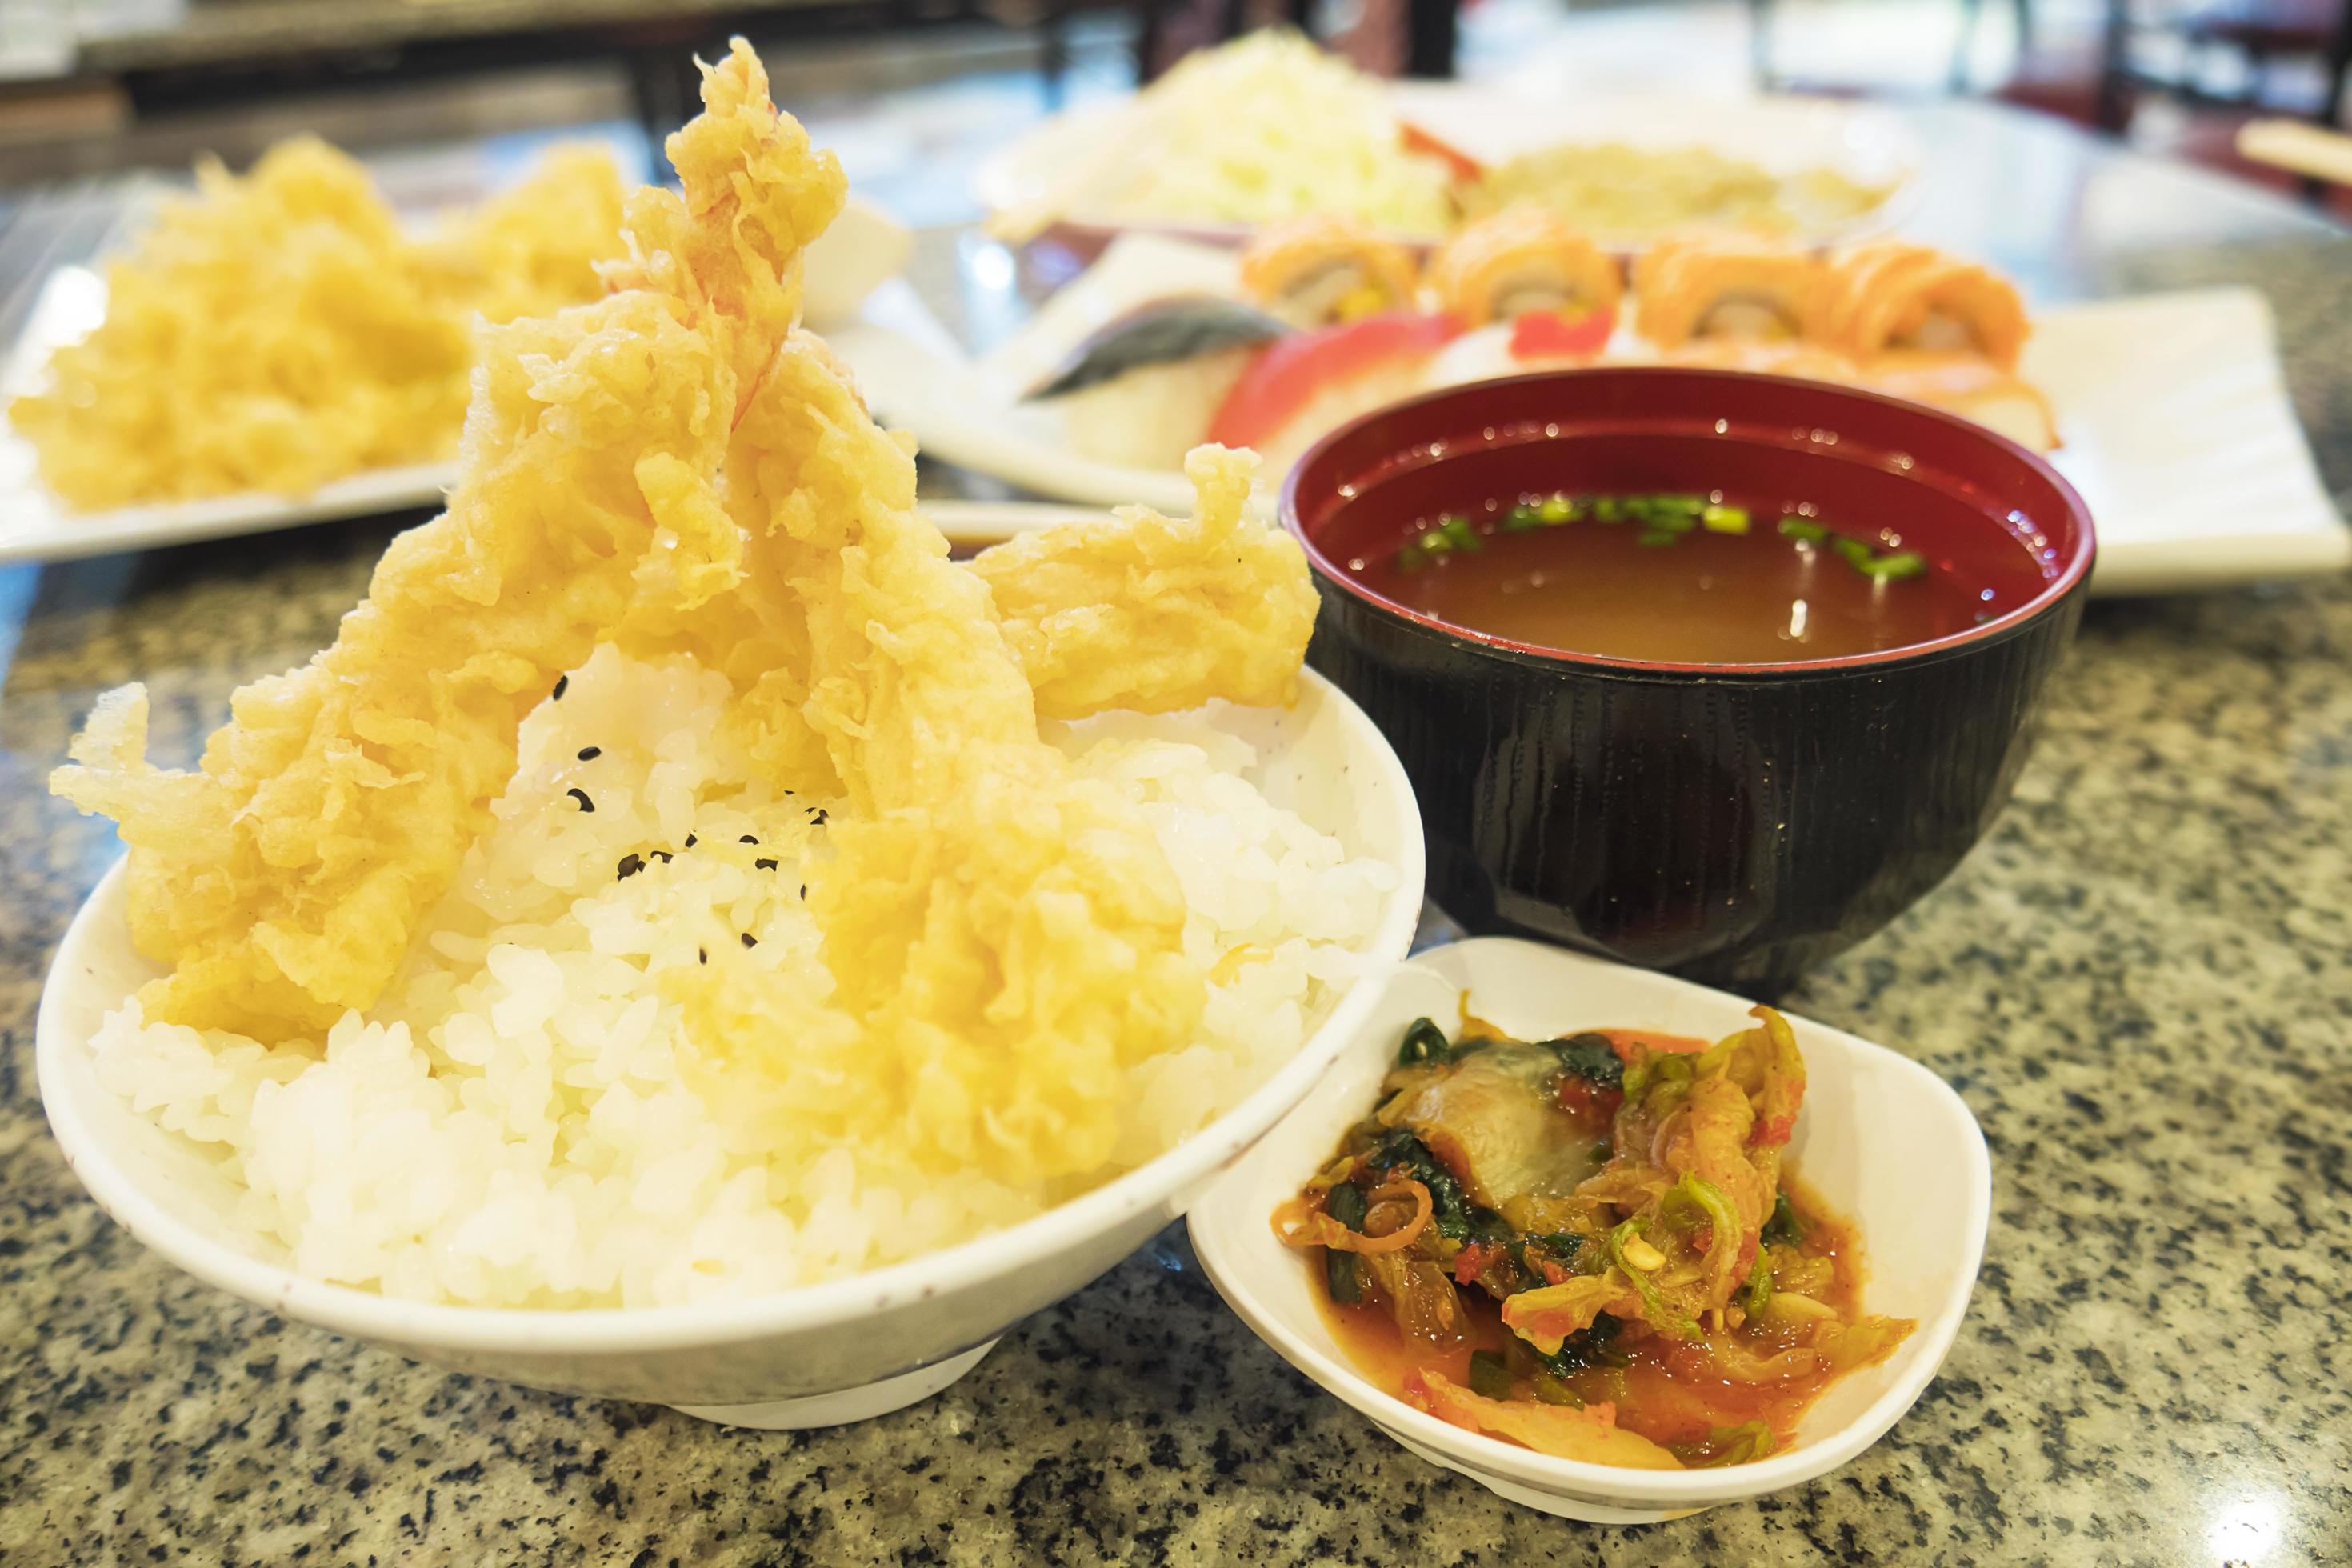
(1882, 1139)
(818, 1355)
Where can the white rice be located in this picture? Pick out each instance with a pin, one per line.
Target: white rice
(516, 1123)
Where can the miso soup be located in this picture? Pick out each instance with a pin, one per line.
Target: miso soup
(1686, 579)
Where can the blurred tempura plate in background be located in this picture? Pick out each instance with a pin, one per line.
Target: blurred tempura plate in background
(865, 247)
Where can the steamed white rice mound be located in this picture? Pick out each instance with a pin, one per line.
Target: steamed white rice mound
(521, 1122)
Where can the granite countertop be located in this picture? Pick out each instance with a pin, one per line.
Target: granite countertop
(2141, 983)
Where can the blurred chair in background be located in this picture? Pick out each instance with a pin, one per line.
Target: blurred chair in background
(2250, 54)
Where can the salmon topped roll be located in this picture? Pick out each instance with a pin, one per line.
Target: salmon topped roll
(1327, 269)
(1722, 286)
(1887, 294)
(1524, 260)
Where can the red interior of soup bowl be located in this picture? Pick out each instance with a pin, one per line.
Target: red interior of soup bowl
(1972, 502)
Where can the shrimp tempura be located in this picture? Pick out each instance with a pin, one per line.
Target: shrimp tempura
(1155, 615)
(283, 880)
(987, 915)
(682, 469)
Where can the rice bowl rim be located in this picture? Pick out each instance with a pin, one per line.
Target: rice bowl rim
(369, 1314)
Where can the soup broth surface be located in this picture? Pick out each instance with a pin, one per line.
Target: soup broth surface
(1746, 585)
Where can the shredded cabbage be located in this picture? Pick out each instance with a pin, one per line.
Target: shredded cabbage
(1267, 128)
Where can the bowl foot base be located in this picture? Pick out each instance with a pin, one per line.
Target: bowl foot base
(843, 1406)
(1559, 1505)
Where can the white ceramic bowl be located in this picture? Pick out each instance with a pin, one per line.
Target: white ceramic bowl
(826, 1353)
(1884, 1142)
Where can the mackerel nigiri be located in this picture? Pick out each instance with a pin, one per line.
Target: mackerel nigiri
(1139, 390)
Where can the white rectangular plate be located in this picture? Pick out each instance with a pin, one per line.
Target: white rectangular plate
(2179, 434)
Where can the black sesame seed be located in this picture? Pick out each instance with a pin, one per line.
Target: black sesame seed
(816, 817)
(580, 795)
(747, 839)
(804, 889)
(689, 841)
(589, 754)
(751, 940)
(630, 866)
(764, 865)
(663, 856)
(702, 956)
(561, 682)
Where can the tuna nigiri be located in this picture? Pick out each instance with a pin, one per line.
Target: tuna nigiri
(1306, 385)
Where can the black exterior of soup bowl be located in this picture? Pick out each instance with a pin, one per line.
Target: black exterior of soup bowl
(1736, 825)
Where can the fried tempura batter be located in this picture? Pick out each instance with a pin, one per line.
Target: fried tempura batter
(282, 883)
(531, 251)
(1003, 932)
(682, 469)
(1153, 614)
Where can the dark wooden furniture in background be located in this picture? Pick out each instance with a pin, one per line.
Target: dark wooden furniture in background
(217, 53)
(2251, 36)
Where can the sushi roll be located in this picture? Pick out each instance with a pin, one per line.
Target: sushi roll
(1722, 286)
(1327, 269)
(1524, 260)
(1140, 390)
(1890, 295)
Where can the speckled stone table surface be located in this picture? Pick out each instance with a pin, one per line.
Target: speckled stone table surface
(2141, 983)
